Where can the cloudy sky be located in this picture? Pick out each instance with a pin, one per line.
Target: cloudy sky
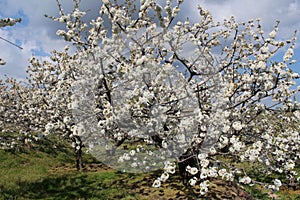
(36, 34)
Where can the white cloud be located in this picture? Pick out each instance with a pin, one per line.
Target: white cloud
(37, 33)
(287, 11)
(33, 43)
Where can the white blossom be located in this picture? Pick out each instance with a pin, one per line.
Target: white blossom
(156, 183)
(164, 176)
(288, 54)
(2, 62)
(237, 125)
(204, 187)
(192, 170)
(204, 162)
(193, 181)
(245, 180)
(272, 34)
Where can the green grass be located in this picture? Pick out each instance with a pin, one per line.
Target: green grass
(47, 171)
(20, 169)
(39, 175)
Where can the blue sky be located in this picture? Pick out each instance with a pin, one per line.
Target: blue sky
(36, 34)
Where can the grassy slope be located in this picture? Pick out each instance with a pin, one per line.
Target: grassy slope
(49, 173)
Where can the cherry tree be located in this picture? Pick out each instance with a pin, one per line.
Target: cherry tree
(205, 90)
(145, 90)
(13, 97)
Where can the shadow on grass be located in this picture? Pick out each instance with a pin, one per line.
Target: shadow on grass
(73, 186)
(101, 182)
(97, 185)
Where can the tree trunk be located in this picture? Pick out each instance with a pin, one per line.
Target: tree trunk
(79, 163)
(78, 153)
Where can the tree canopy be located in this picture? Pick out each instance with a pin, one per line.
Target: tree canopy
(214, 93)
